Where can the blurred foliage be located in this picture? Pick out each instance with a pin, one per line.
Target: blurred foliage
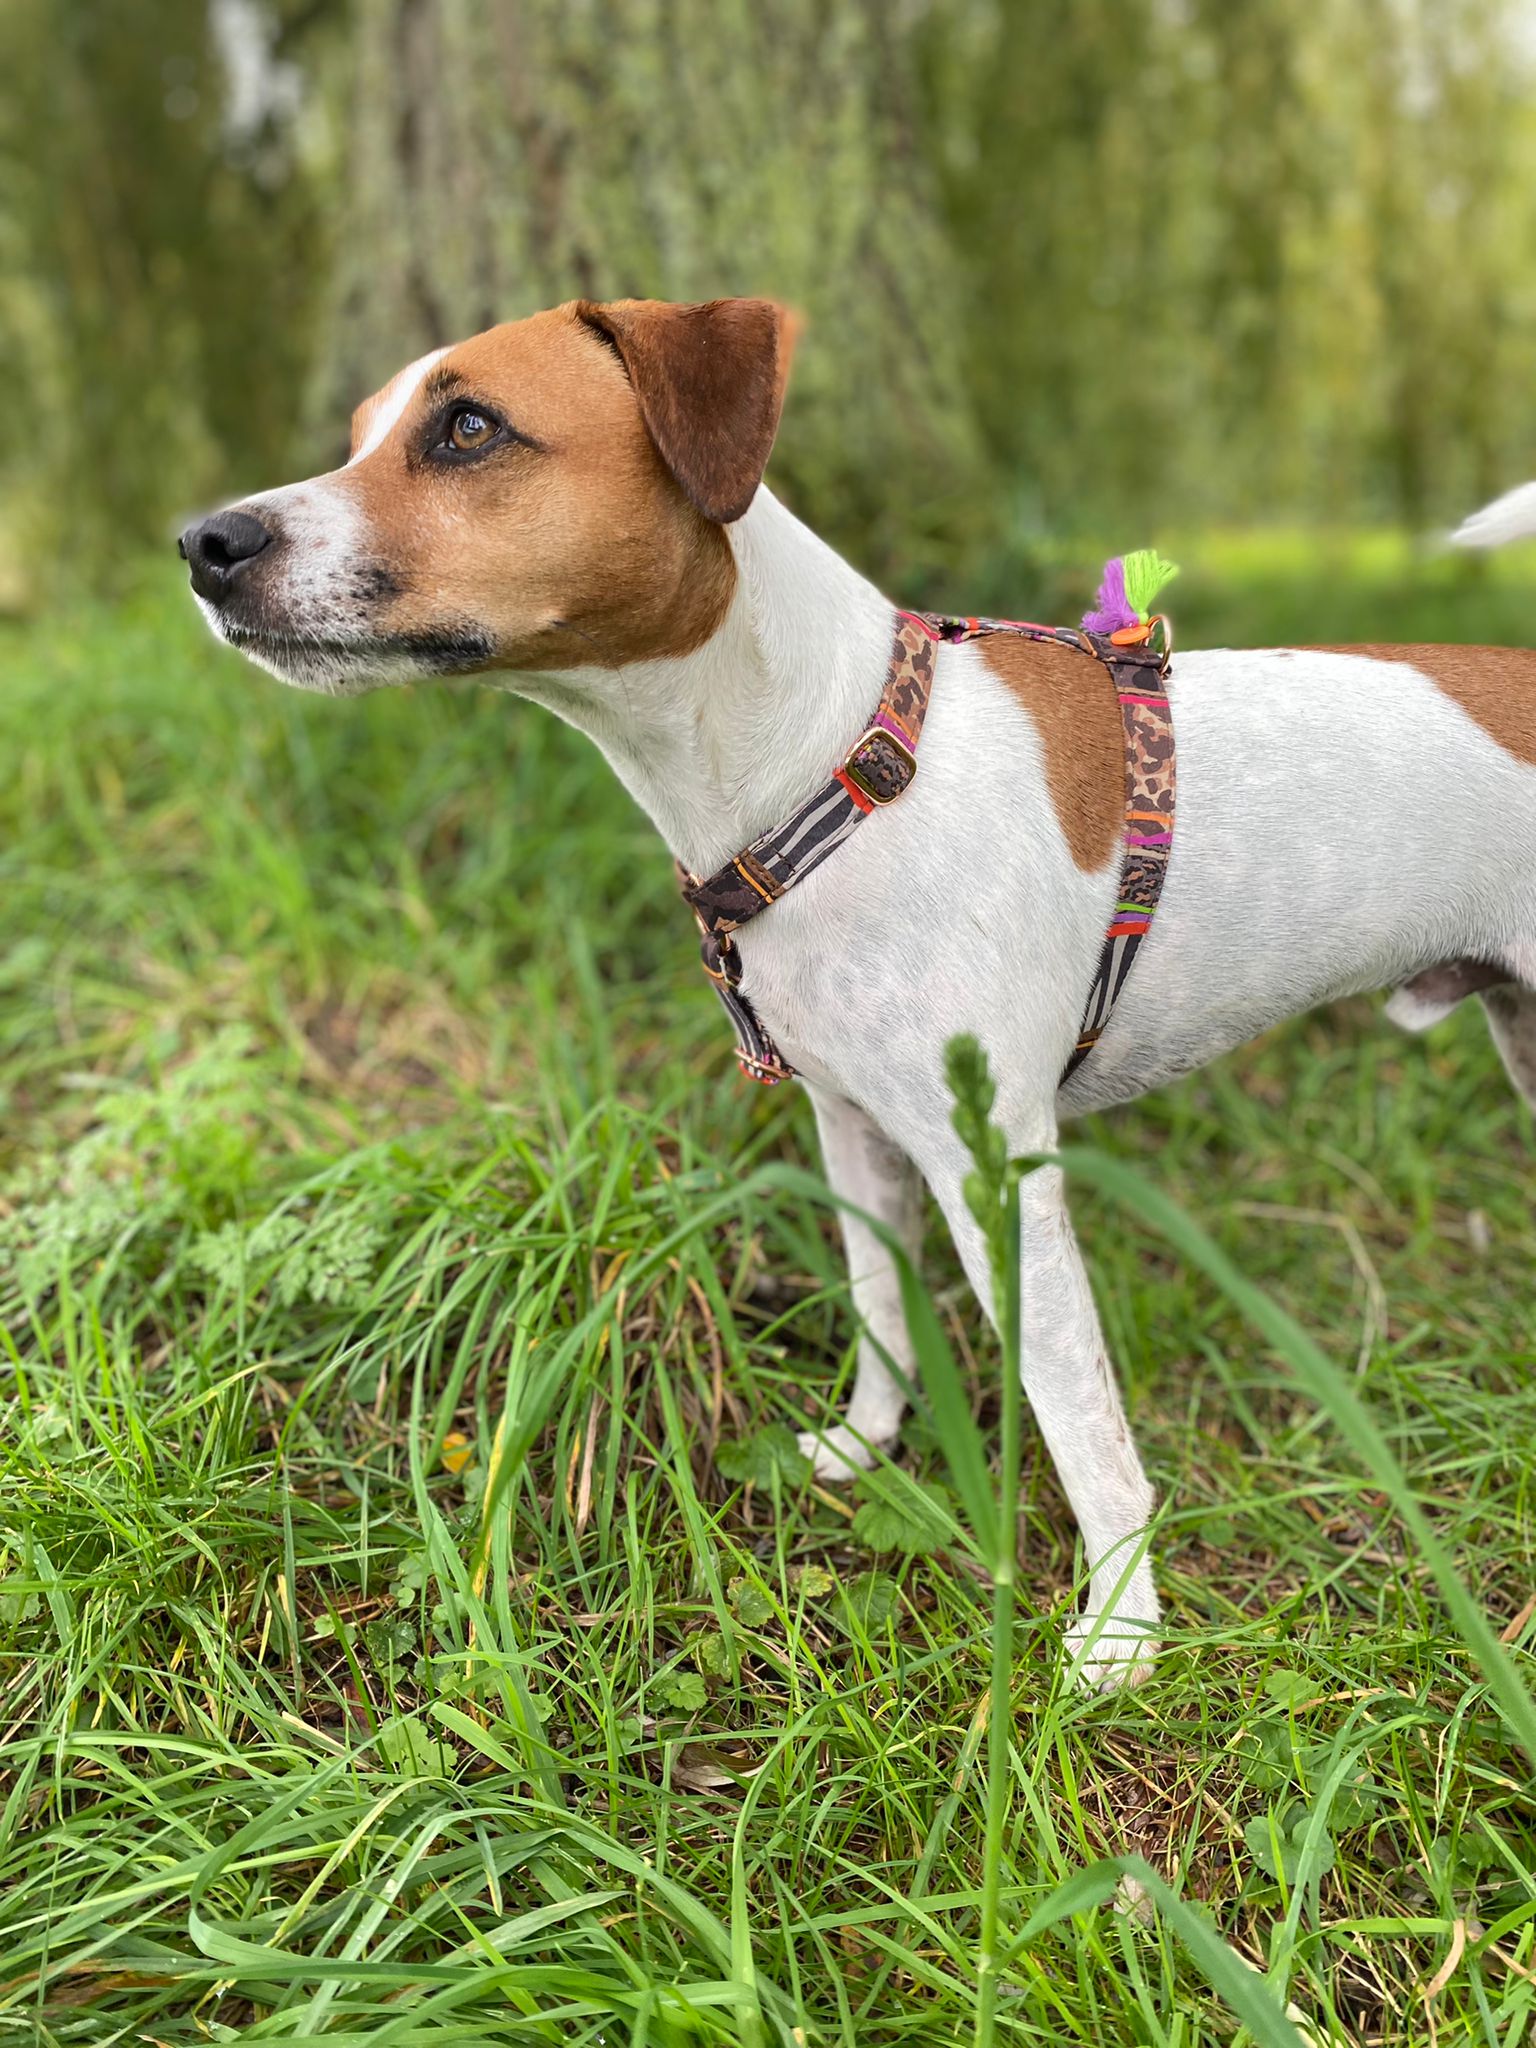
(1124, 264)
(1250, 256)
(159, 240)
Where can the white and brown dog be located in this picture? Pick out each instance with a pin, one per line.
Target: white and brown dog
(572, 505)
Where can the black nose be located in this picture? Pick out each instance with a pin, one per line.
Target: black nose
(217, 549)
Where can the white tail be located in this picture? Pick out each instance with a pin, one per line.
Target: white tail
(1512, 517)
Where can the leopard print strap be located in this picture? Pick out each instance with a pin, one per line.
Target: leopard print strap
(1151, 790)
(1139, 674)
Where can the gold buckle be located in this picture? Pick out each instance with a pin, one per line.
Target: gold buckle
(1147, 636)
(886, 739)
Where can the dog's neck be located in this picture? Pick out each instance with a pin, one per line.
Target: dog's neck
(721, 744)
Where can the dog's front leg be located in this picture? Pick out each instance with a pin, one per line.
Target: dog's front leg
(866, 1169)
(1071, 1388)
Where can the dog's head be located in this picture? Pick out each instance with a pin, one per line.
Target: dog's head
(550, 495)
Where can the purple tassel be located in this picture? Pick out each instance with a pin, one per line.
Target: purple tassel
(1114, 609)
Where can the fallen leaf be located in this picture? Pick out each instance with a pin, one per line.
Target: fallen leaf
(701, 1767)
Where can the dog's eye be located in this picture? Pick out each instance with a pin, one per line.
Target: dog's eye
(468, 430)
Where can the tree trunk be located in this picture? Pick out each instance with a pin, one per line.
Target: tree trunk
(508, 154)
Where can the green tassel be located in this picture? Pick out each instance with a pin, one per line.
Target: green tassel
(1146, 573)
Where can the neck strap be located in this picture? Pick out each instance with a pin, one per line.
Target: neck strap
(879, 767)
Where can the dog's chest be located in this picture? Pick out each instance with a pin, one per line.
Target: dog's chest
(958, 909)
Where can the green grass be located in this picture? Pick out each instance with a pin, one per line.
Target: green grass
(386, 1294)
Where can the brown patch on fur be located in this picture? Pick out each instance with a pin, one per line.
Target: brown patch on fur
(580, 550)
(1496, 686)
(1071, 702)
(710, 381)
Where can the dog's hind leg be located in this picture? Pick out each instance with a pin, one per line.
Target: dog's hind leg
(1504, 988)
(1511, 1012)
(1430, 996)
(866, 1169)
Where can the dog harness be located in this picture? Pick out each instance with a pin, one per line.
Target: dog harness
(1134, 646)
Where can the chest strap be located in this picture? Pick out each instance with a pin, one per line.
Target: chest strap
(882, 764)
(877, 768)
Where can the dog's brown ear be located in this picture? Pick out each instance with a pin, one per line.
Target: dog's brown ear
(710, 380)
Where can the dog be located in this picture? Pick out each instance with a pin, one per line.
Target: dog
(572, 505)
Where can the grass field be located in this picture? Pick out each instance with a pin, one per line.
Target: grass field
(415, 1625)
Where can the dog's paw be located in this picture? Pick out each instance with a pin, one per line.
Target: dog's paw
(1121, 1651)
(838, 1454)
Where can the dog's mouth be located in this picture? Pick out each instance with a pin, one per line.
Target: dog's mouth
(345, 664)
